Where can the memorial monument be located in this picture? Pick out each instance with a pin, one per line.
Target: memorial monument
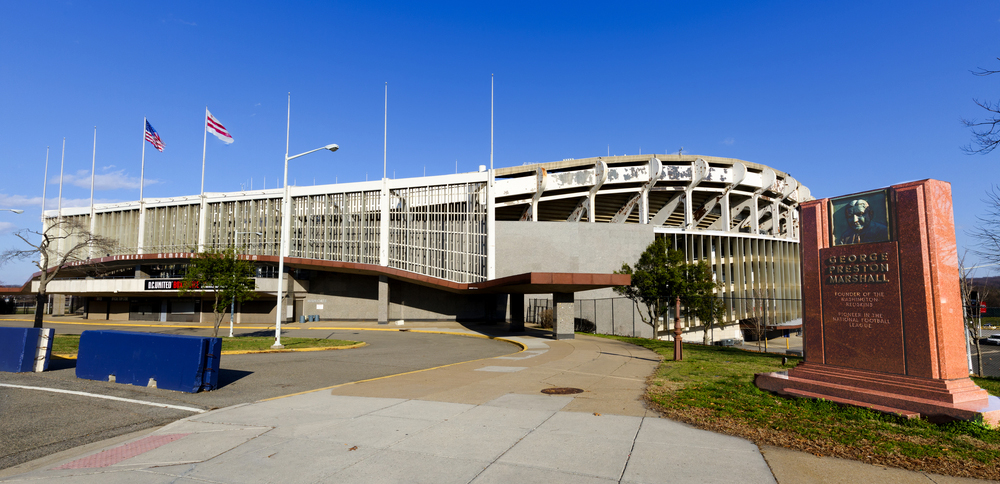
(882, 311)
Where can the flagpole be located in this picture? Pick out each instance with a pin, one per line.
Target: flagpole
(62, 164)
(142, 167)
(202, 210)
(385, 129)
(491, 217)
(204, 141)
(491, 130)
(93, 167)
(45, 183)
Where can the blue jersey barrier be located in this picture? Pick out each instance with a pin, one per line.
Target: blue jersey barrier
(174, 362)
(25, 349)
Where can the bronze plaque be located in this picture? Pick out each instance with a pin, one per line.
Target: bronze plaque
(861, 218)
(862, 314)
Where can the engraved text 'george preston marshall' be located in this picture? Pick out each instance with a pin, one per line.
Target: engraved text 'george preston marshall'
(858, 268)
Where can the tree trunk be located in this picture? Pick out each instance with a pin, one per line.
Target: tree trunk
(979, 351)
(654, 320)
(40, 300)
(218, 317)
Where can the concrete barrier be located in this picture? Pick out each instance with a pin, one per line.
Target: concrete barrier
(174, 362)
(25, 349)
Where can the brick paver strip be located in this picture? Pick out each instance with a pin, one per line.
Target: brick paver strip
(113, 456)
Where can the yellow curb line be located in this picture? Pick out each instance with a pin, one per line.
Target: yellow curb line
(318, 328)
(290, 350)
(72, 356)
(135, 324)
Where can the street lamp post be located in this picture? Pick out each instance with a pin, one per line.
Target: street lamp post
(17, 211)
(286, 227)
(232, 302)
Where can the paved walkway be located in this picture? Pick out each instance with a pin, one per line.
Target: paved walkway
(481, 421)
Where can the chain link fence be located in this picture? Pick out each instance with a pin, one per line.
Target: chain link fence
(766, 317)
(620, 317)
(25, 304)
(982, 326)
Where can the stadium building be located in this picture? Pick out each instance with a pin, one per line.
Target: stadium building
(471, 246)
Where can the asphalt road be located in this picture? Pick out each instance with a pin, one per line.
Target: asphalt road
(991, 357)
(37, 423)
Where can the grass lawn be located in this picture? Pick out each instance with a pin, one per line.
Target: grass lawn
(712, 388)
(991, 322)
(69, 343)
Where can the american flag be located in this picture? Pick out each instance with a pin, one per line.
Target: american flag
(153, 137)
(215, 127)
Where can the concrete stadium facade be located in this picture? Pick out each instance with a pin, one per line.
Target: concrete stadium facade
(467, 246)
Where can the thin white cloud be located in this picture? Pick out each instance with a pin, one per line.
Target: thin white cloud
(106, 168)
(171, 18)
(6, 228)
(75, 202)
(18, 201)
(103, 181)
(21, 202)
(729, 141)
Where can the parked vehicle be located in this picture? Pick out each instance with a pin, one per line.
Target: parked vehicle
(992, 340)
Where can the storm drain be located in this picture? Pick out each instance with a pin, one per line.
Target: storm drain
(561, 391)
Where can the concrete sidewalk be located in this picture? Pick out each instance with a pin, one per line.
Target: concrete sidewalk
(481, 421)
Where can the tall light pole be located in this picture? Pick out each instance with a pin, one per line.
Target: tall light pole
(232, 303)
(286, 227)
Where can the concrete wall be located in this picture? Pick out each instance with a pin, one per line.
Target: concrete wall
(342, 296)
(570, 247)
(355, 297)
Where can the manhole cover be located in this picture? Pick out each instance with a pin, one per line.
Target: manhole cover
(561, 391)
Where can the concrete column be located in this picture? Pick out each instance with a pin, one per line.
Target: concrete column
(491, 230)
(517, 313)
(383, 300)
(203, 224)
(288, 304)
(383, 236)
(563, 311)
(141, 236)
(58, 304)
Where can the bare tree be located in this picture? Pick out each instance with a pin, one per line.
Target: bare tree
(972, 323)
(987, 230)
(62, 242)
(985, 133)
(760, 299)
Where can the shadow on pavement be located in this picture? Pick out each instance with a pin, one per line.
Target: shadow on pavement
(227, 376)
(56, 363)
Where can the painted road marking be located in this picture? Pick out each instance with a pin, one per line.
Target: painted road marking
(106, 397)
(113, 456)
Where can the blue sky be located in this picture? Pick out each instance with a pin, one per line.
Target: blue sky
(845, 96)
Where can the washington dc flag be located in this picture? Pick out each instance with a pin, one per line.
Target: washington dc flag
(215, 127)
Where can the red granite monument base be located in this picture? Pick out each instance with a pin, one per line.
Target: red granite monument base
(882, 312)
(910, 397)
